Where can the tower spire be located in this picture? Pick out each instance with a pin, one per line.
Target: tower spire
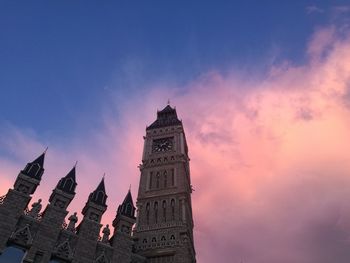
(68, 183)
(99, 196)
(35, 169)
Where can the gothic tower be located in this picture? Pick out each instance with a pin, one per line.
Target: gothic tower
(164, 227)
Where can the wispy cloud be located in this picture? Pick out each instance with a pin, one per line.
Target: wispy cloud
(314, 9)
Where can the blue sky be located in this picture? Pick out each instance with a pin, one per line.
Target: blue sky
(262, 87)
(59, 60)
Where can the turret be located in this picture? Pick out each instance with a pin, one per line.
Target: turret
(64, 191)
(125, 217)
(17, 199)
(53, 218)
(96, 204)
(123, 222)
(89, 229)
(29, 178)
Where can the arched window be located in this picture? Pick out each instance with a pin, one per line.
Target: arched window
(165, 179)
(68, 184)
(147, 213)
(163, 238)
(172, 237)
(150, 180)
(154, 239)
(172, 209)
(128, 209)
(172, 177)
(156, 212)
(34, 169)
(158, 179)
(144, 241)
(100, 197)
(164, 211)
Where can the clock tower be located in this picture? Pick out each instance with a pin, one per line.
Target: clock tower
(164, 227)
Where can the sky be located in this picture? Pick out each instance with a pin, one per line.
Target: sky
(262, 87)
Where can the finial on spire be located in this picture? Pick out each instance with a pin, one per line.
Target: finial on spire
(46, 149)
(76, 162)
(129, 187)
(103, 176)
(168, 102)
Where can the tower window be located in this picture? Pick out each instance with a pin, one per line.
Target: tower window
(68, 184)
(34, 169)
(172, 177)
(100, 197)
(164, 211)
(172, 209)
(158, 179)
(147, 213)
(150, 180)
(172, 237)
(165, 179)
(156, 212)
(128, 209)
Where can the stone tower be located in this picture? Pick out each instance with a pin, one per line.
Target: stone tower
(164, 227)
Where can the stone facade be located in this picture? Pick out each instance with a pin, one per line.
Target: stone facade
(164, 226)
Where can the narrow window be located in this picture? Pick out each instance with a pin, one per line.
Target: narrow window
(100, 197)
(172, 177)
(147, 213)
(150, 180)
(164, 211)
(156, 212)
(158, 179)
(165, 179)
(172, 209)
(34, 169)
(128, 209)
(68, 184)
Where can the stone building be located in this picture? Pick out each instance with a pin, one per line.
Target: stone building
(162, 230)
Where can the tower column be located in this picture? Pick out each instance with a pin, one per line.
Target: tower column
(53, 217)
(88, 230)
(17, 199)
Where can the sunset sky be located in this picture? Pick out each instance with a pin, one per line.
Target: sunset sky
(262, 87)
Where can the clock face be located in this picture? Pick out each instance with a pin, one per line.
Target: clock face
(162, 145)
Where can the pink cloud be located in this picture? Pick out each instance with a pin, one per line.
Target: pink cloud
(269, 158)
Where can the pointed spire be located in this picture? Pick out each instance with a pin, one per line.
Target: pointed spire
(127, 208)
(35, 169)
(101, 186)
(99, 196)
(40, 159)
(165, 117)
(68, 183)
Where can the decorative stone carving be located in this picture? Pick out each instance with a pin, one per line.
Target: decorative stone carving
(22, 236)
(102, 259)
(93, 217)
(23, 189)
(36, 207)
(106, 232)
(73, 219)
(64, 250)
